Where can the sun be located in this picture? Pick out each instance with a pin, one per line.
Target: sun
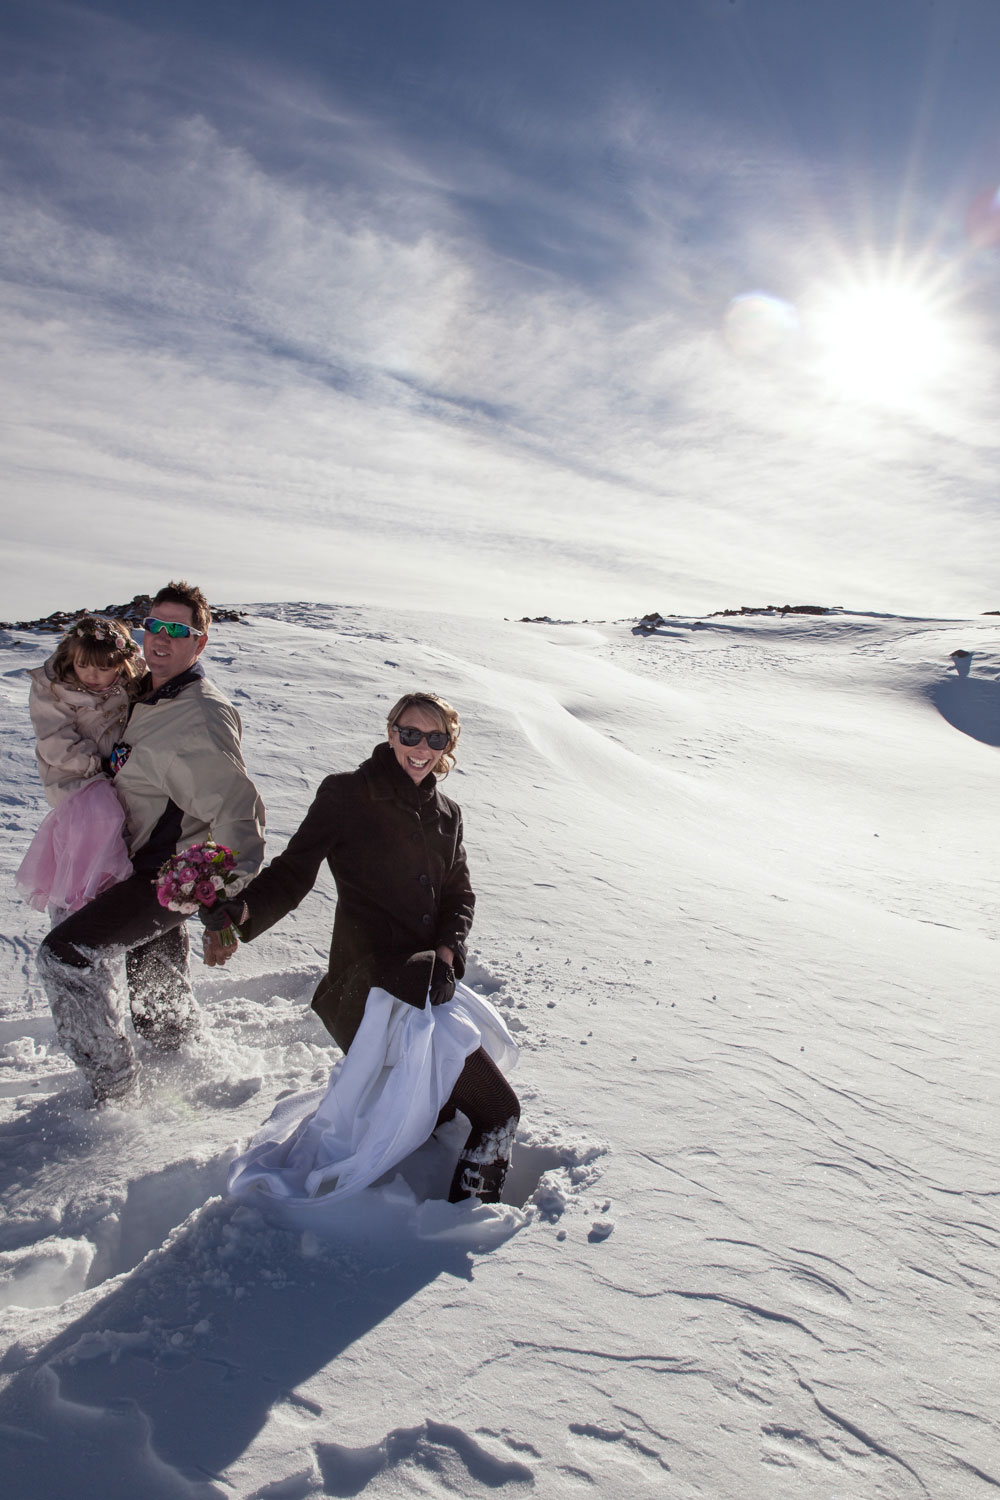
(883, 340)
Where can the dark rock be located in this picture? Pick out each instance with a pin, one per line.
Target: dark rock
(133, 613)
(649, 623)
(775, 609)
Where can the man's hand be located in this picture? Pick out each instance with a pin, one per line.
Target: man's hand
(220, 920)
(215, 951)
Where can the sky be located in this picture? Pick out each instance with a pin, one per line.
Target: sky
(582, 309)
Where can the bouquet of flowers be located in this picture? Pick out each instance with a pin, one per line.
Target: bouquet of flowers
(197, 877)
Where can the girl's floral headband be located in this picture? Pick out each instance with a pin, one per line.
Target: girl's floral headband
(91, 629)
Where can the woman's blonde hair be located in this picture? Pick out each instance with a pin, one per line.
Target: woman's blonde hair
(446, 716)
(95, 641)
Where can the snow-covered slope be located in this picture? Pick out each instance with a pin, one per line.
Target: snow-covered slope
(738, 901)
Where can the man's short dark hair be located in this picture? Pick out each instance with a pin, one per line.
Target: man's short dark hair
(186, 593)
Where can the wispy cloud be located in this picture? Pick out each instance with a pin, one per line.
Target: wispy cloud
(272, 335)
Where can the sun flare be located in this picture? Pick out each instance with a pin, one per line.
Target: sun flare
(883, 341)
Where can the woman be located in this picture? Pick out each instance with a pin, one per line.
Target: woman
(393, 842)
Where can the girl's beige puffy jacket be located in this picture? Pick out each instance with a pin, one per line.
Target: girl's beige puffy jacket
(74, 728)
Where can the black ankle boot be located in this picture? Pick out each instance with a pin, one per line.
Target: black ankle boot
(482, 1166)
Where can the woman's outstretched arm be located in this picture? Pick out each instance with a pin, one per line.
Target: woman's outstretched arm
(283, 884)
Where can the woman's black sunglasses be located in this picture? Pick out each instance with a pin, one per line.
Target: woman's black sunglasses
(436, 739)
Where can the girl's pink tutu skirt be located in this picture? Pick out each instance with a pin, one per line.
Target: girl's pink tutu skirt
(78, 851)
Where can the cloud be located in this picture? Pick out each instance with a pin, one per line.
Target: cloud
(291, 344)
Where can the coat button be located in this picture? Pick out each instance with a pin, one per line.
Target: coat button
(425, 920)
(424, 880)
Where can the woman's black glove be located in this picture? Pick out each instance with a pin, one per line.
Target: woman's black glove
(442, 982)
(417, 978)
(224, 914)
(408, 978)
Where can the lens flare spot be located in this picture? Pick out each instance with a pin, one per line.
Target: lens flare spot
(982, 222)
(760, 326)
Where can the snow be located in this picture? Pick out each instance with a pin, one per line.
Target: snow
(737, 903)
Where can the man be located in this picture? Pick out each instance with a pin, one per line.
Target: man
(181, 778)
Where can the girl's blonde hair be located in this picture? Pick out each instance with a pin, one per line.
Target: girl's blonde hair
(95, 641)
(446, 716)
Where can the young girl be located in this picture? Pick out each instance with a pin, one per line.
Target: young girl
(79, 706)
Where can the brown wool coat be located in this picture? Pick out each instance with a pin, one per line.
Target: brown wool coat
(395, 851)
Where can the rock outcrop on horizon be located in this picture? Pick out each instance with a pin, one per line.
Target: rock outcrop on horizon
(134, 613)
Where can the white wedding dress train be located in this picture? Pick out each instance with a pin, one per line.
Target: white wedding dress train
(381, 1105)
